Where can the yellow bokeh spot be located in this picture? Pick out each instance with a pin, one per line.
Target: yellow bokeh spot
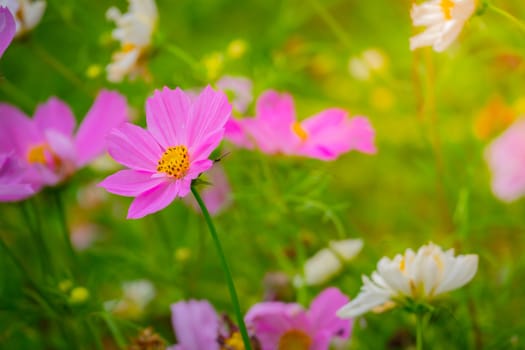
(236, 49)
(182, 254)
(93, 71)
(78, 295)
(213, 64)
(382, 99)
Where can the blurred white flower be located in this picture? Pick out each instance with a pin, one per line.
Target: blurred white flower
(134, 31)
(137, 295)
(327, 262)
(419, 276)
(444, 20)
(27, 13)
(370, 61)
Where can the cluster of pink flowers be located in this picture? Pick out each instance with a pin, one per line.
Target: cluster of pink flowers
(272, 325)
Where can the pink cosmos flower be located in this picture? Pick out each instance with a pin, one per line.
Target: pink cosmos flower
(324, 136)
(12, 187)
(174, 150)
(46, 143)
(196, 325)
(217, 195)
(7, 29)
(281, 326)
(506, 160)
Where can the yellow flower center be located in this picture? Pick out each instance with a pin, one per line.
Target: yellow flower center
(37, 154)
(234, 342)
(294, 340)
(128, 47)
(299, 131)
(174, 162)
(447, 6)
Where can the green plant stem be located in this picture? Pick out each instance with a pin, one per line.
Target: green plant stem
(36, 231)
(224, 263)
(63, 225)
(182, 55)
(419, 330)
(508, 16)
(332, 23)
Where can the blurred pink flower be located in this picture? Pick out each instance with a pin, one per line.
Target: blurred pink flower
(506, 160)
(240, 88)
(7, 29)
(12, 187)
(217, 196)
(280, 326)
(174, 150)
(196, 325)
(324, 136)
(46, 143)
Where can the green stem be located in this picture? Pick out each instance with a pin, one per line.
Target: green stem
(419, 330)
(36, 231)
(182, 55)
(224, 263)
(64, 226)
(508, 16)
(332, 23)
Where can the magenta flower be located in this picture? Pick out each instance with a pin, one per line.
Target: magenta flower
(196, 325)
(7, 29)
(12, 187)
(281, 326)
(325, 135)
(46, 143)
(174, 150)
(217, 195)
(506, 160)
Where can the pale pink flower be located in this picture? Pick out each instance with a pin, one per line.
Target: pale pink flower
(325, 135)
(12, 186)
(281, 326)
(506, 159)
(7, 29)
(173, 151)
(217, 195)
(444, 20)
(241, 90)
(46, 144)
(196, 325)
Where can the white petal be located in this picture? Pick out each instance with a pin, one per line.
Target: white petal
(461, 273)
(367, 299)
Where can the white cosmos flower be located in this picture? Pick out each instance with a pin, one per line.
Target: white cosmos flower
(444, 20)
(134, 31)
(420, 276)
(328, 261)
(27, 13)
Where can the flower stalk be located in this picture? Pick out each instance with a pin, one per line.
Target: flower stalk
(225, 267)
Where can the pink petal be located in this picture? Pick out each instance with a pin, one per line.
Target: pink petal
(234, 133)
(55, 115)
(322, 313)
(154, 199)
(210, 112)
(196, 325)
(270, 320)
(331, 133)
(167, 115)
(130, 183)
(7, 29)
(206, 146)
(134, 147)
(275, 108)
(17, 131)
(15, 192)
(506, 159)
(108, 111)
(62, 145)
